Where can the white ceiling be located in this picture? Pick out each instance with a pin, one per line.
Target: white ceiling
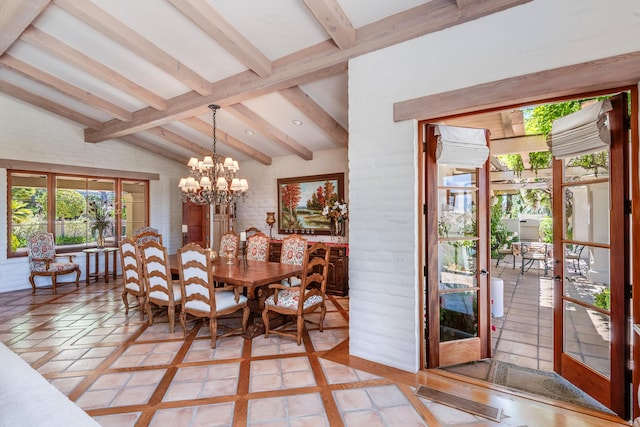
(98, 63)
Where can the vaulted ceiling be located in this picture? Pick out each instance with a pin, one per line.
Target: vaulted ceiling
(144, 71)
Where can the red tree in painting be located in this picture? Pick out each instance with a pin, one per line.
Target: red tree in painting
(320, 196)
(291, 196)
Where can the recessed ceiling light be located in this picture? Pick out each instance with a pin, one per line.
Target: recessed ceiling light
(297, 122)
(249, 132)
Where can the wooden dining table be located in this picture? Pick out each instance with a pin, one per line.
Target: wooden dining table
(252, 276)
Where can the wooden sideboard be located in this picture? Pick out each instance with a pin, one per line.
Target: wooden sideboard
(338, 280)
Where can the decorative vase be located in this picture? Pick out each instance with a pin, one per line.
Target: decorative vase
(100, 239)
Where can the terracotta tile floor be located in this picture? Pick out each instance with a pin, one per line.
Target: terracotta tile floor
(124, 372)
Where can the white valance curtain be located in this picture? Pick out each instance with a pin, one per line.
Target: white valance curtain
(582, 132)
(461, 147)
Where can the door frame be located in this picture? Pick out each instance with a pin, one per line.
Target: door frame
(598, 386)
(520, 98)
(468, 349)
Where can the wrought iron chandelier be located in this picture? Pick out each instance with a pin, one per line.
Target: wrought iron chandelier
(213, 180)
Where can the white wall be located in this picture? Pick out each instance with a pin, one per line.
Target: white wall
(384, 281)
(30, 134)
(262, 196)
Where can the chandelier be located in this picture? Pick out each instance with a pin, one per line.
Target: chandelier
(213, 180)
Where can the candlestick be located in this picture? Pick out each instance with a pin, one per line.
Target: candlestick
(185, 228)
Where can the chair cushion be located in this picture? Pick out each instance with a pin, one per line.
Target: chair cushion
(291, 281)
(224, 300)
(161, 296)
(132, 286)
(289, 298)
(54, 267)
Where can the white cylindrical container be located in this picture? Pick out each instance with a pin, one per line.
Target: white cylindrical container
(497, 297)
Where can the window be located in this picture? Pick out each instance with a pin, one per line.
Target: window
(63, 204)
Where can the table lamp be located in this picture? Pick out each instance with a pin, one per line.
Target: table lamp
(271, 219)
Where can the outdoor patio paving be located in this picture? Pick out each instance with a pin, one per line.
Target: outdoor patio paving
(524, 335)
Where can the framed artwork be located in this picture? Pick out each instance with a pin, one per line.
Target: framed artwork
(302, 199)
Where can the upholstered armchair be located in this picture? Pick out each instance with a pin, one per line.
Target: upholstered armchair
(229, 241)
(258, 247)
(144, 234)
(292, 252)
(42, 261)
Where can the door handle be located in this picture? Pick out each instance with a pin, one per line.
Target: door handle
(557, 278)
(484, 272)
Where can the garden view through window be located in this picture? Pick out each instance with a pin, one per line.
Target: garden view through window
(76, 209)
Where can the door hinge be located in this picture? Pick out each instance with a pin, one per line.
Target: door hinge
(425, 271)
(627, 122)
(627, 207)
(424, 147)
(424, 209)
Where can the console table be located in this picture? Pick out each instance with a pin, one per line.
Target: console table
(105, 254)
(338, 280)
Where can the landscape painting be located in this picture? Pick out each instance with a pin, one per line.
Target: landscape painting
(301, 200)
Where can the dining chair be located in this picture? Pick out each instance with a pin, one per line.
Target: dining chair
(199, 296)
(160, 289)
(144, 234)
(258, 247)
(42, 261)
(292, 252)
(301, 300)
(132, 274)
(229, 241)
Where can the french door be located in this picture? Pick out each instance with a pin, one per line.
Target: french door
(591, 303)
(457, 318)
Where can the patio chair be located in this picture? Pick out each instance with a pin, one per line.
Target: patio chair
(160, 289)
(201, 299)
(301, 300)
(575, 256)
(42, 261)
(132, 274)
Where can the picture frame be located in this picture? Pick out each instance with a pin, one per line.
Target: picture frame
(301, 200)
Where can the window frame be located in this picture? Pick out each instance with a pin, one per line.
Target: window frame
(51, 179)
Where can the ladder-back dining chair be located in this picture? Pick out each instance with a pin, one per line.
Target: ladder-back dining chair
(160, 289)
(301, 300)
(132, 274)
(201, 299)
(42, 261)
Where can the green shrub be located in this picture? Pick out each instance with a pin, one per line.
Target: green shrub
(603, 299)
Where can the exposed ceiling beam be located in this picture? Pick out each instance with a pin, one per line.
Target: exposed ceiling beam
(114, 29)
(519, 145)
(227, 140)
(62, 86)
(225, 92)
(212, 23)
(178, 140)
(600, 74)
(510, 175)
(317, 114)
(55, 47)
(321, 58)
(519, 186)
(153, 148)
(333, 19)
(45, 104)
(465, 3)
(15, 17)
(264, 127)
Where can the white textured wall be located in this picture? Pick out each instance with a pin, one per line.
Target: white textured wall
(30, 134)
(384, 280)
(263, 189)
